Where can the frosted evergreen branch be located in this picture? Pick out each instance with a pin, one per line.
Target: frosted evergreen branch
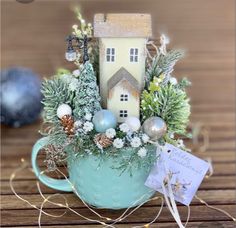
(163, 64)
(55, 92)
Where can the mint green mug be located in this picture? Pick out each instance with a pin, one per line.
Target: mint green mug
(96, 182)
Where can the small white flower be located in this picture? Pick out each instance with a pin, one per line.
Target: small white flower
(111, 133)
(180, 143)
(76, 73)
(74, 84)
(124, 127)
(118, 143)
(88, 126)
(145, 138)
(172, 135)
(77, 124)
(88, 116)
(75, 27)
(142, 152)
(173, 81)
(135, 142)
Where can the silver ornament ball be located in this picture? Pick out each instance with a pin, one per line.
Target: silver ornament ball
(154, 127)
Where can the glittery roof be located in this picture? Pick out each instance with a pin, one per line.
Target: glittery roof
(122, 25)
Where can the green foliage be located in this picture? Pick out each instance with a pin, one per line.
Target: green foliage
(83, 28)
(129, 160)
(55, 92)
(183, 83)
(171, 104)
(163, 64)
(62, 71)
(87, 98)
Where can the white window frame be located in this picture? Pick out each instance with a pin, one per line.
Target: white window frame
(123, 113)
(124, 97)
(134, 57)
(110, 54)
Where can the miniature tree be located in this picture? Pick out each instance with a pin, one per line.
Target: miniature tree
(87, 98)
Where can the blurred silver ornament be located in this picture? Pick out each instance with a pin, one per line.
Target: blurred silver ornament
(154, 127)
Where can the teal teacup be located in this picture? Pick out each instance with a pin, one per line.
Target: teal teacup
(96, 182)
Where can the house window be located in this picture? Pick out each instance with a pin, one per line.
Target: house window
(124, 97)
(110, 55)
(133, 54)
(123, 113)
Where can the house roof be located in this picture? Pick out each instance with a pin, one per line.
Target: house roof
(121, 75)
(122, 25)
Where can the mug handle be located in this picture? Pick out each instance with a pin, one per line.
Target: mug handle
(62, 185)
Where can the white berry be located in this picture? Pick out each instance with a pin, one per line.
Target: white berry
(63, 109)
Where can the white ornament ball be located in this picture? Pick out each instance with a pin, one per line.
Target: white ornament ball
(133, 123)
(63, 109)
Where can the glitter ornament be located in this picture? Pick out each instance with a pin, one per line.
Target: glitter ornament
(20, 96)
(154, 127)
(133, 123)
(104, 120)
(63, 109)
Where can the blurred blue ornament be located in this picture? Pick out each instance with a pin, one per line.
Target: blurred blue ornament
(104, 120)
(20, 96)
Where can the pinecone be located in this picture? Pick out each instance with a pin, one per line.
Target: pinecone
(102, 140)
(67, 122)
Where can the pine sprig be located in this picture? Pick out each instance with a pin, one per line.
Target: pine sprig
(55, 92)
(169, 103)
(163, 64)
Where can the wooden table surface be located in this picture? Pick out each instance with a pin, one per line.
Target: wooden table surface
(33, 36)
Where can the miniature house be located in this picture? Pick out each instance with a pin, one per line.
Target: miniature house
(122, 43)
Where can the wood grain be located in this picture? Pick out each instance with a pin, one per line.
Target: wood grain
(144, 214)
(33, 36)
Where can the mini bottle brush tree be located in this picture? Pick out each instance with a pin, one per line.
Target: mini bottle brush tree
(73, 111)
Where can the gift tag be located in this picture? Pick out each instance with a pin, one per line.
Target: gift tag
(184, 171)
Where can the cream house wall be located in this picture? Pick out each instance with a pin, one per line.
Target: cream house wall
(115, 104)
(122, 59)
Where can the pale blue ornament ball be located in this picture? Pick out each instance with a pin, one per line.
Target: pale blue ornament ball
(104, 120)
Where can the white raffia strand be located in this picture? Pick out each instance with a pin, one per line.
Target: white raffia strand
(171, 204)
(151, 42)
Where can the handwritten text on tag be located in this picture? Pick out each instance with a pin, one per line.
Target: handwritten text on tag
(184, 171)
